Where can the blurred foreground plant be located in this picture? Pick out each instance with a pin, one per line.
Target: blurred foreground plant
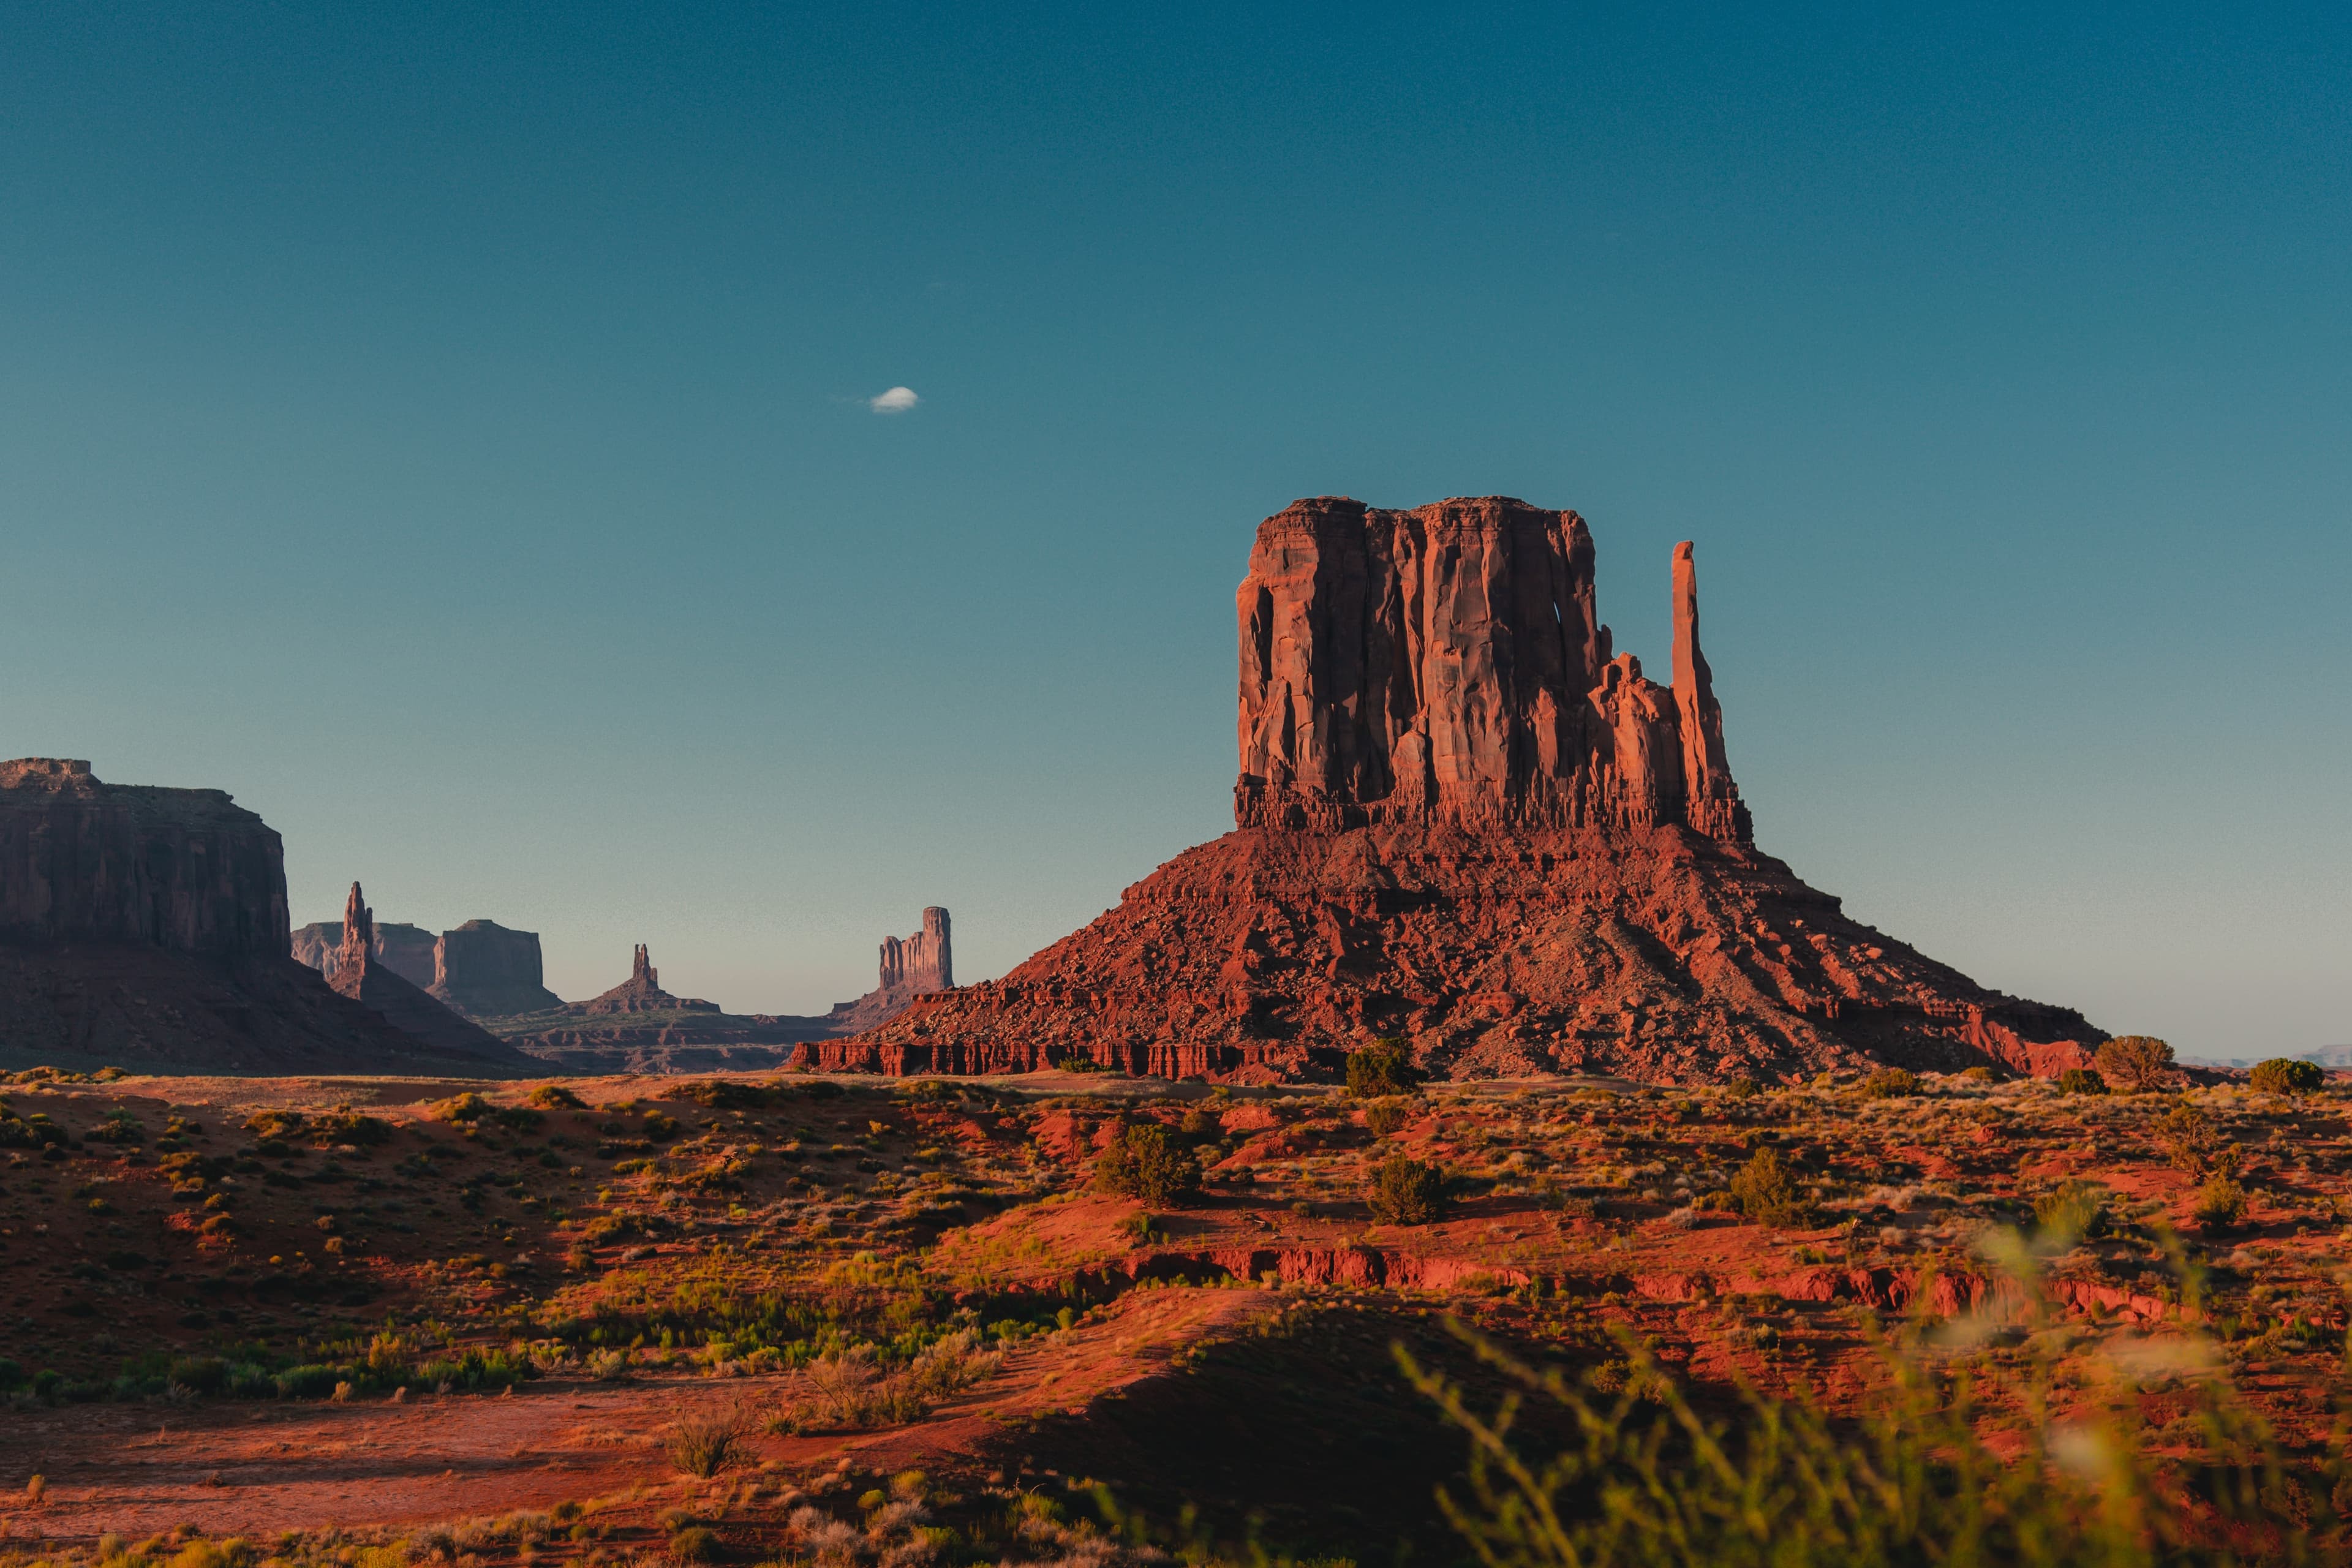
(1935, 1468)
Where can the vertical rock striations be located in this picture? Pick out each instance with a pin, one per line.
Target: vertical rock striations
(1448, 665)
(1465, 819)
(919, 966)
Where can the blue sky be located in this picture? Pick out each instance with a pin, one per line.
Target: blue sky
(447, 428)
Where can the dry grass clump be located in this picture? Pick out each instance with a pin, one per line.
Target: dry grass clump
(850, 1390)
(706, 1444)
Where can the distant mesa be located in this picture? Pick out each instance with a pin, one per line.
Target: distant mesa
(486, 970)
(1463, 818)
(638, 1027)
(146, 928)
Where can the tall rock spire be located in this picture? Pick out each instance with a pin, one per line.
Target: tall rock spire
(1711, 802)
(359, 939)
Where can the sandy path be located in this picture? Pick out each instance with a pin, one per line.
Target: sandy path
(253, 1469)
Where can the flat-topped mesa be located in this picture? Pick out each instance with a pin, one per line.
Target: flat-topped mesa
(1448, 663)
(182, 869)
(486, 970)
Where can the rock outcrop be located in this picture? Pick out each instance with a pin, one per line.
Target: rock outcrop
(1464, 819)
(485, 971)
(405, 950)
(918, 966)
(362, 976)
(147, 928)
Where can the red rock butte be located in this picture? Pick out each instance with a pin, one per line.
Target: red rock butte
(1463, 819)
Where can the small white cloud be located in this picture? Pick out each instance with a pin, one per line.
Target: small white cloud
(898, 400)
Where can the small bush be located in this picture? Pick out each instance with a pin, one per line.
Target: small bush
(704, 1446)
(2285, 1075)
(1766, 1192)
(1384, 1067)
(1146, 1163)
(1405, 1190)
(2220, 1204)
(2071, 1209)
(1890, 1083)
(1383, 1117)
(463, 1107)
(695, 1543)
(2136, 1061)
(2081, 1080)
(1979, 1074)
(1741, 1089)
(555, 1097)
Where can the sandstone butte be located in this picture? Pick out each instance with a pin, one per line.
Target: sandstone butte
(1464, 819)
(146, 929)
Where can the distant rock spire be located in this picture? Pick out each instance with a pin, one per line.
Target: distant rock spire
(359, 938)
(1710, 799)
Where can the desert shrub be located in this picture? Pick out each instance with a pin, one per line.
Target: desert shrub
(1146, 1163)
(119, 1127)
(849, 1390)
(1979, 1073)
(555, 1097)
(269, 1126)
(2220, 1204)
(2189, 1140)
(1405, 1190)
(1741, 1089)
(1383, 1117)
(2285, 1075)
(2082, 1080)
(1764, 1190)
(1200, 1125)
(462, 1108)
(344, 1125)
(1890, 1083)
(704, 1445)
(1384, 1067)
(2071, 1209)
(661, 1128)
(2135, 1061)
(695, 1543)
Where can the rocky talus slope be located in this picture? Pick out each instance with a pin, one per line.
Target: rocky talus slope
(1464, 819)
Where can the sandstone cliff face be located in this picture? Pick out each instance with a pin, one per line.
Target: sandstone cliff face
(1448, 665)
(185, 869)
(485, 971)
(405, 950)
(1466, 820)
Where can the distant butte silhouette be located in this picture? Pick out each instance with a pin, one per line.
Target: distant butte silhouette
(1464, 820)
